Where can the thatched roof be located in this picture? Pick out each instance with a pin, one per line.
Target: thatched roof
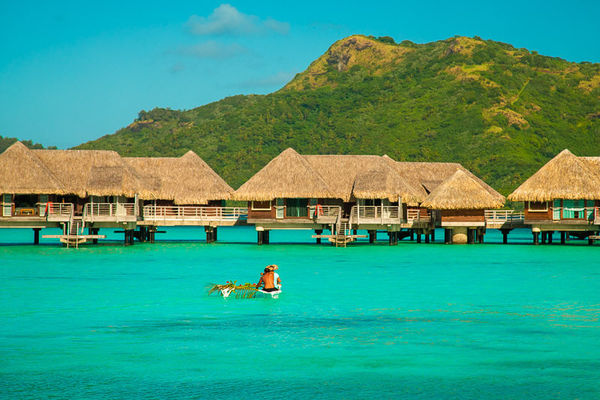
(21, 171)
(349, 176)
(94, 173)
(185, 180)
(463, 192)
(343, 177)
(288, 175)
(382, 183)
(566, 176)
(427, 176)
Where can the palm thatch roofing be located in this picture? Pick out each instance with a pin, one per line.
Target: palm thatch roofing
(427, 176)
(461, 192)
(345, 177)
(94, 173)
(185, 180)
(288, 175)
(566, 176)
(23, 172)
(349, 176)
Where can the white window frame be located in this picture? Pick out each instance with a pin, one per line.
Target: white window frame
(262, 209)
(537, 210)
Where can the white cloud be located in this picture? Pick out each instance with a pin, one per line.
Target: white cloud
(227, 20)
(278, 79)
(212, 49)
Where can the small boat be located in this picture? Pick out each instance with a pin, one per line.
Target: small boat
(273, 295)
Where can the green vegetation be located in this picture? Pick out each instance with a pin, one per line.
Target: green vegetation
(501, 112)
(6, 142)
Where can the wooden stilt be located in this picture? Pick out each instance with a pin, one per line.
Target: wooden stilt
(505, 235)
(372, 236)
(418, 237)
(215, 233)
(433, 235)
(390, 238)
(543, 237)
(447, 236)
(563, 237)
(318, 232)
(426, 237)
(536, 238)
(412, 235)
(152, 234)
(549, 235)
(36, 235)
(481, 235)
(590, 241)
(267, 237)
(260, 235)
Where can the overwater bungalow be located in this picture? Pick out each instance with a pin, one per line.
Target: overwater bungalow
(325, 192)
(186, 192)
(342, 193)
(564, 196)
(462, 201)
(72, 189)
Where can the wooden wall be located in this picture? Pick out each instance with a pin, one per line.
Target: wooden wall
(538, 215)
(463, 216)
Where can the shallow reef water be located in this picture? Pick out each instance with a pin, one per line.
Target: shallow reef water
(426, 321)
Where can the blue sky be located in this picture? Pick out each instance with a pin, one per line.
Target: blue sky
(72, 71)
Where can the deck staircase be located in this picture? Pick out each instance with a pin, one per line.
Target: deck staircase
(342, 234)
(74, 236)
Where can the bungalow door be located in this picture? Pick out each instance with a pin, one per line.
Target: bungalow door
(6, 205)
(296, 208)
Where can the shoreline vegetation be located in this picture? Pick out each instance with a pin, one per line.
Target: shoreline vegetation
(500, 111)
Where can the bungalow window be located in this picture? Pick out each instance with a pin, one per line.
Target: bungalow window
(261, 205)
(538, 206)
(296, 208)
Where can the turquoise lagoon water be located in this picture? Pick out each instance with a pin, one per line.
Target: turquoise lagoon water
(426, 321)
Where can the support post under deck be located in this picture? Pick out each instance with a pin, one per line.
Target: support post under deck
(318, 232)
(448, 236)
(372, 236)
(505, 235)
(36, 235)
(563, 237)
(536, 238)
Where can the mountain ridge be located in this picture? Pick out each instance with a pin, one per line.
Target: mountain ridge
(500, 111)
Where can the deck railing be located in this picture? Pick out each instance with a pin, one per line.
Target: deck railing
(415, 215)
(54, 211)
(318, 211)
(194, 213)
(109, 212)
(376, 214)
(504, 216)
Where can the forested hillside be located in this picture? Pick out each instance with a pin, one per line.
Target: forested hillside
(6, 142)
(500, 111)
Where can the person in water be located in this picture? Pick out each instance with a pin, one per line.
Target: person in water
(267, 280)
(276, 278)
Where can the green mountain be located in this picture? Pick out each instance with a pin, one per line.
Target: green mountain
(500, 111)
(6, 142)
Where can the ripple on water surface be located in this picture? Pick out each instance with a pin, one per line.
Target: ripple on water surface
(416, 321)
